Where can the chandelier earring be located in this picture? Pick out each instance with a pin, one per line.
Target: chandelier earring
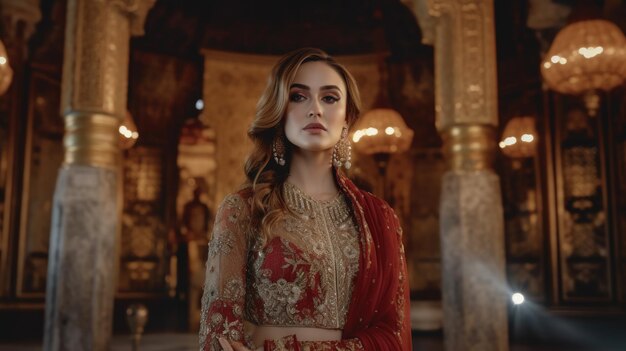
(342, 152)
(278, 149)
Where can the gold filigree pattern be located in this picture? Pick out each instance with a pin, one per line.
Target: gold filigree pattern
(315, 250)
(302, 276)
(224, 289)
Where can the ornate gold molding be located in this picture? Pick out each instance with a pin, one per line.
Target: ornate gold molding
(18, 13)
(95, 63)
(92, 139)
(465, 59)
(137, 10)
(469, 147)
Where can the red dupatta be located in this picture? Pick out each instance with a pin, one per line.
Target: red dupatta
(379, 313)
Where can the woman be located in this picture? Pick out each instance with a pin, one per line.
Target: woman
(301, 259)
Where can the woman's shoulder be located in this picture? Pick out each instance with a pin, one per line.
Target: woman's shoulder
(238, 201)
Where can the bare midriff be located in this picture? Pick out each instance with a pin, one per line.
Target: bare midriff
(261, 333)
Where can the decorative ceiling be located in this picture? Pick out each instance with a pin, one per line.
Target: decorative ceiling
(275, 27)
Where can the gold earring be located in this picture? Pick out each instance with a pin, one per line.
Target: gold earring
(342, 152)
(278, 150)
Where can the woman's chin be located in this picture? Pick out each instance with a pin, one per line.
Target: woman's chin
(315, 148)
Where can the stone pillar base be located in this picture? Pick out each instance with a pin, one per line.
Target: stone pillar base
(81, 266)
(474, 284)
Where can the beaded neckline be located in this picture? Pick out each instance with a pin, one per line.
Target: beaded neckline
(296, 195)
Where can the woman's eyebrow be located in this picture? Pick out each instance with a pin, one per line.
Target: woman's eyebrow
(306, 87)
(301, 86)
(330, 87)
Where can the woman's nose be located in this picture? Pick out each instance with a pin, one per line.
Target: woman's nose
(316, 109)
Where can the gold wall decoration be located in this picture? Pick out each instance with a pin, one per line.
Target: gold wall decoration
(618, 151)
(143, 175)
(143, 257)
(422, 224)
(583, 228)
(19, 20)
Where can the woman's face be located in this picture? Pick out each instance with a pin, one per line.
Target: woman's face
(316, 113)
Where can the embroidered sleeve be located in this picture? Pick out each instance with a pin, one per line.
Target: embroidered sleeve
(291, 343)
(224, 287)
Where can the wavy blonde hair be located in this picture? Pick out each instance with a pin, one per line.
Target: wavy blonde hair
(264, 177)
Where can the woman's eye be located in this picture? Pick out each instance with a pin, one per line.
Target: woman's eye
(330, 99)
(296, 97)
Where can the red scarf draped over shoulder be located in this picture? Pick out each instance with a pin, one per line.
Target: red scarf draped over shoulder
(379, 312)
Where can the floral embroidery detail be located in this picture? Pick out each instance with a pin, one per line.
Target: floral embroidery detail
(224, 288)
(303, 276)
(222, 244)
(291, 343)
(234, 289)
(342, 345)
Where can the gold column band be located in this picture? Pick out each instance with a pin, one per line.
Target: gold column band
(469, 147)
(92, 139)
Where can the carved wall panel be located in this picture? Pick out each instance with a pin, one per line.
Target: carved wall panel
(583, 219)
(523, 226)
(43, 157)
(422, 225)
(617, 154)
(143, 259)
(6, 150)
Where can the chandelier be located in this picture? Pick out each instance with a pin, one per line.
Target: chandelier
(586, 56)
(6, 73)
(380, 133)
(381, 130)
(519, 137)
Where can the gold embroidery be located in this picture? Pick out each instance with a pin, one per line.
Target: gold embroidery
(224, 289)
(320, 250)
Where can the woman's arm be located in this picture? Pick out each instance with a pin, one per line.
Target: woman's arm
(224, 288)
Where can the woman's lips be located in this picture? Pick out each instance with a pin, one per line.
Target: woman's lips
(314, 127)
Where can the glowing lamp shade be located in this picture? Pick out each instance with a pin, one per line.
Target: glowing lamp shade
(381, 130)
(586, 55)
(6, 73)
(519, 138)
(128, 132)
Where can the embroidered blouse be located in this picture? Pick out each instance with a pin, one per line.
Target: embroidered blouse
(301, 277)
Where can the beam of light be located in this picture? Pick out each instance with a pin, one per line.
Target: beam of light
(533, 319)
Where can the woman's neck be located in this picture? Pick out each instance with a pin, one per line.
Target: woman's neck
(313, 174)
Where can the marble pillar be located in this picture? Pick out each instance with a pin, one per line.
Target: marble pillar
(471, 216)
(86, 213)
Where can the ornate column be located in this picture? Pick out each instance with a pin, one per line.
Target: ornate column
(85, 219)
(471, 216)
